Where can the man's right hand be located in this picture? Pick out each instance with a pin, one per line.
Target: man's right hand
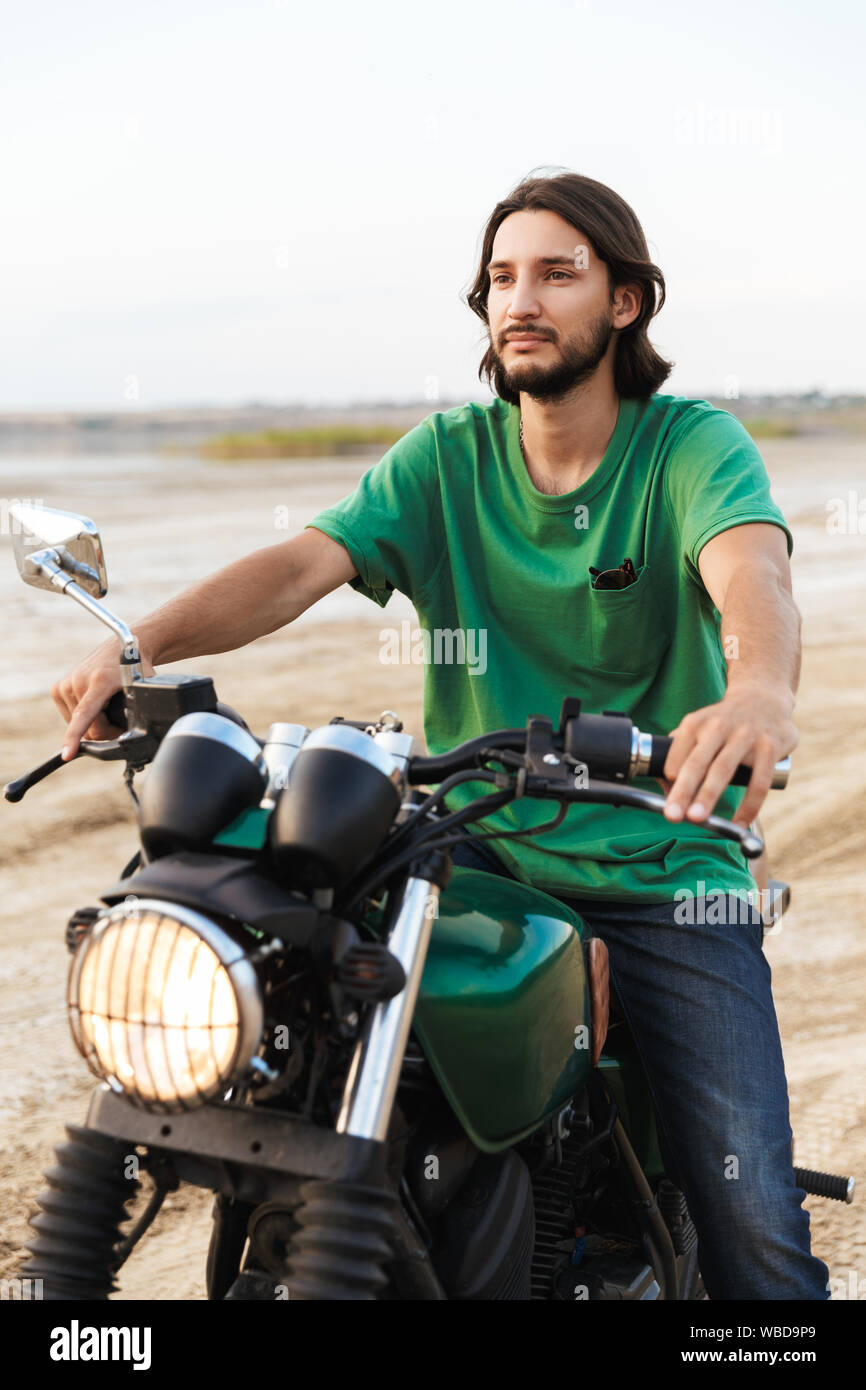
(82, 695)
(251, 597)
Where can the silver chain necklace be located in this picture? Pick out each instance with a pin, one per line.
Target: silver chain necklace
(522, 450)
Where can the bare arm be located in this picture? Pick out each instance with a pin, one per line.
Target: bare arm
(248, 599)
(747, 575)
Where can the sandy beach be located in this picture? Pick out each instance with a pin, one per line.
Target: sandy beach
(166, 523)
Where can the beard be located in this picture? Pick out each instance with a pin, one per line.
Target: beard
(578, 359)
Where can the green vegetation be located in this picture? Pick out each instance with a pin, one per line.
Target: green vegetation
(787, 419)
(325, 441)
(771, 427)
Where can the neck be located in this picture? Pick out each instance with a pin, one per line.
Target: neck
(565, 441)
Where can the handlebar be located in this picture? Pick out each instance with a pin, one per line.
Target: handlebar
(136, 747)
(608, 744)
(115, 710)
(661, 746)
(540, 762)
(608, 751)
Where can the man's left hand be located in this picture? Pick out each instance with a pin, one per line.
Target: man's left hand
(752, 725)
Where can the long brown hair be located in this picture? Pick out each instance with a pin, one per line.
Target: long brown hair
(604, 219)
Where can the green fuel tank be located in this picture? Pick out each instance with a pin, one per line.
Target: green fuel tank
(503, 1007)
(503, 1010)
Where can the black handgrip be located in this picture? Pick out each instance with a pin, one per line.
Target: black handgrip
(661, 746)
(115, 710)
(228, 713)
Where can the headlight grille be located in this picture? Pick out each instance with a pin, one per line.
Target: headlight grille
(164, 1004)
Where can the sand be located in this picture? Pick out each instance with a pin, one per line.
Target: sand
(163, 527)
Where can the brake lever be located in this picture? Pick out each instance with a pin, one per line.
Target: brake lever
(751, 845)
(13, 791)
(135, 747)
(616, 794)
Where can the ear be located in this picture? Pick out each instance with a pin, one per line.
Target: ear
(626, 304)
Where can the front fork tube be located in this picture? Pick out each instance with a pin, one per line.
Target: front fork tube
(371, 1084)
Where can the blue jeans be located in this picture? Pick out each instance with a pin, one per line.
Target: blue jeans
(698, 1001)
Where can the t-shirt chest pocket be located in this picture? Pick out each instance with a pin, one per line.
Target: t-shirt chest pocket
(628, 633)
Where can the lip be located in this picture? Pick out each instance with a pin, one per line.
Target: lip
(526, 341)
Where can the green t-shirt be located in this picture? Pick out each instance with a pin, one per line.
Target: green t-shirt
(450, 517)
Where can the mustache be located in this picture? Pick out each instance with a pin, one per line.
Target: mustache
(532, 334)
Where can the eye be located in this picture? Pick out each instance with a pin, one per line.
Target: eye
(503, 276)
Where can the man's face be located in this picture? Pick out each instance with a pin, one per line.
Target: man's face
(545, 279)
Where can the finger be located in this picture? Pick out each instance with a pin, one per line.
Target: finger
(683, 741)
(101, 729)
(85, 714)
(59, 697)
(759, 783)
(693, 771)
(718, 777)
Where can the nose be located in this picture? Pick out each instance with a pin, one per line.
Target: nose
(523, 304)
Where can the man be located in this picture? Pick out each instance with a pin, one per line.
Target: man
(491, 518)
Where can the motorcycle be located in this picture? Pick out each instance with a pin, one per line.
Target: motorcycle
(401, 1078)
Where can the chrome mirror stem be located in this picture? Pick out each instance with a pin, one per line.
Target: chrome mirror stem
(45, 562)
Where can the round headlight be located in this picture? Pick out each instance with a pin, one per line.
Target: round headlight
(164, 1004)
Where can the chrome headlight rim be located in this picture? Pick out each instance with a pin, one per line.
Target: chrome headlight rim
(233, 956)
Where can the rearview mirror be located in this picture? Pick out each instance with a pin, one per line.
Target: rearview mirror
(71, 541)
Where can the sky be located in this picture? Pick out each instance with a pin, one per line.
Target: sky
(211, 203)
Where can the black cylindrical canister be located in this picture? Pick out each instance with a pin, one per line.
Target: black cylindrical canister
(342, 794)
(206, 771)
